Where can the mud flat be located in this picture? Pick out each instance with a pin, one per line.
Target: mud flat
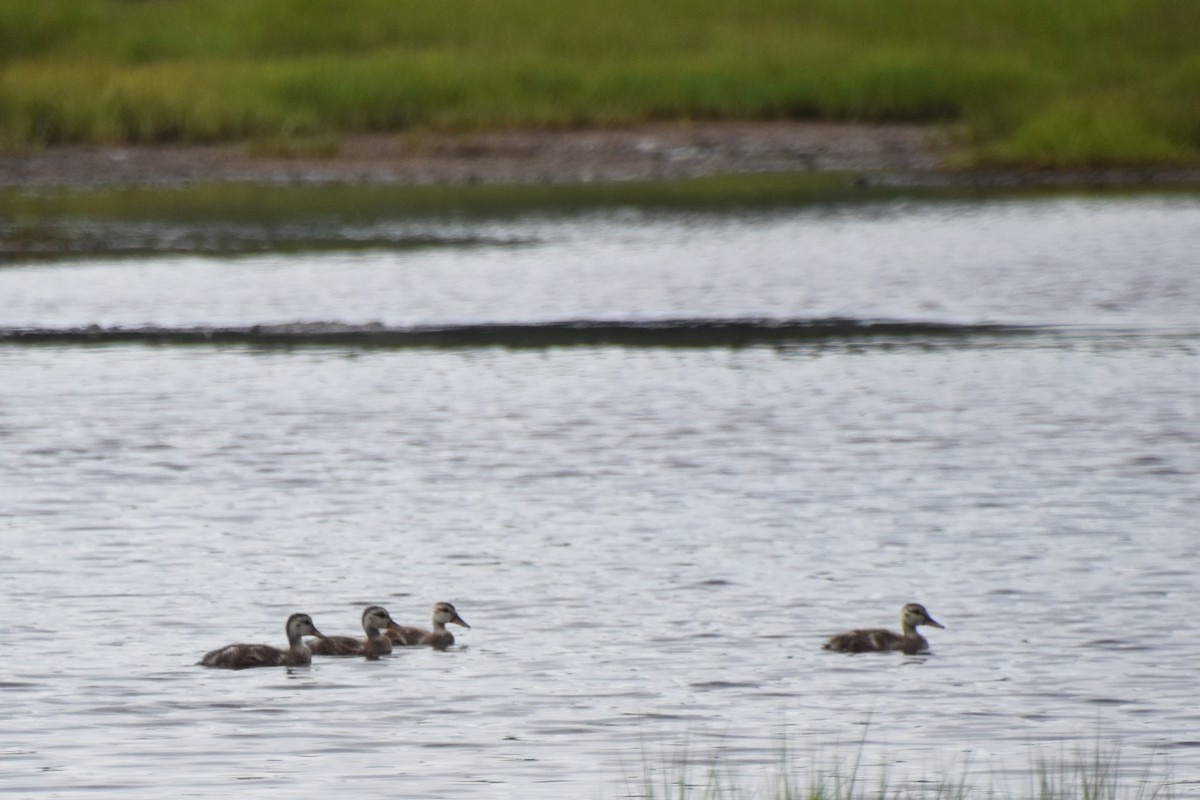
(889, 155)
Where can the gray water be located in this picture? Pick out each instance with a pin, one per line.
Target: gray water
(650, 543)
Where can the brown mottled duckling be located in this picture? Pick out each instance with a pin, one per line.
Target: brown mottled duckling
(243, 656)
(439, 638)
(374, 618)
(874, 640)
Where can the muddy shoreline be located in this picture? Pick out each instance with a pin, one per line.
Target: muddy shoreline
(889, 155)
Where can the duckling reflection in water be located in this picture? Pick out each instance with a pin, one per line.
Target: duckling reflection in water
(374, 620)
(874, 640)
(439, 638)
(244, 656)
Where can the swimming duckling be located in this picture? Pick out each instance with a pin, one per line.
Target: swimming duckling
(439, 638)
(375, 645)
(242, 656)
(869, 640)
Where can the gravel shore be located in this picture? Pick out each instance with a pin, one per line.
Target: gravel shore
(897, 155)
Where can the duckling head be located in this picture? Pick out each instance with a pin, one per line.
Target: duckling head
(444, 613)
(914, 614)
(377, 617)
(302, 625)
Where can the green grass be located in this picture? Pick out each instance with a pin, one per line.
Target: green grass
(1064, 83)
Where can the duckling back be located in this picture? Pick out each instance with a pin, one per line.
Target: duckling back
(874, 640)
(406, 636)
(336, 646)
(245, 656)
(410, 637)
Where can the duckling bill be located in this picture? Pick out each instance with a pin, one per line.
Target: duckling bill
(878, 640)
(245, 656)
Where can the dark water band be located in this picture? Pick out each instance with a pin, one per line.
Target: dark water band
(567, 333)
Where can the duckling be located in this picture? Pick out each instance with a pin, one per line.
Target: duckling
(242, 656)
(376, 644)
(868, 640)
(439, 638)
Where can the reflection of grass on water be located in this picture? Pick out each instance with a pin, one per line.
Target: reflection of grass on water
(275, 204)
(1069, 82)
(1092, 775)
(232, 218)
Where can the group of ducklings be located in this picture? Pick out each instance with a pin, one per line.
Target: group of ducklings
(382, 634)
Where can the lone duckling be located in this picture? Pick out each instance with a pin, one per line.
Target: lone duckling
(877, 640)
(374, 618)
(243, 656)
(439, 638)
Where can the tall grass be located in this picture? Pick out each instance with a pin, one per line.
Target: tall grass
(1093, 774)
(1070, 82)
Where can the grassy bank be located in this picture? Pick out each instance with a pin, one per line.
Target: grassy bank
(1073, 82)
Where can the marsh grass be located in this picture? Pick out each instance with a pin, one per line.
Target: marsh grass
(1073, 82)
(1087, 774)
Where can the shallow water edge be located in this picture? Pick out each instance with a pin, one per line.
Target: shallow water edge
(51, 223)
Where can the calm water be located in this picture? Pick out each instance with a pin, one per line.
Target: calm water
(650, 543)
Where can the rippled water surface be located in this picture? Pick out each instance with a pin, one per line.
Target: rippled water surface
(650, 543)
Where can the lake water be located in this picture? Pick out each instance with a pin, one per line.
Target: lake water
(650, 542)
